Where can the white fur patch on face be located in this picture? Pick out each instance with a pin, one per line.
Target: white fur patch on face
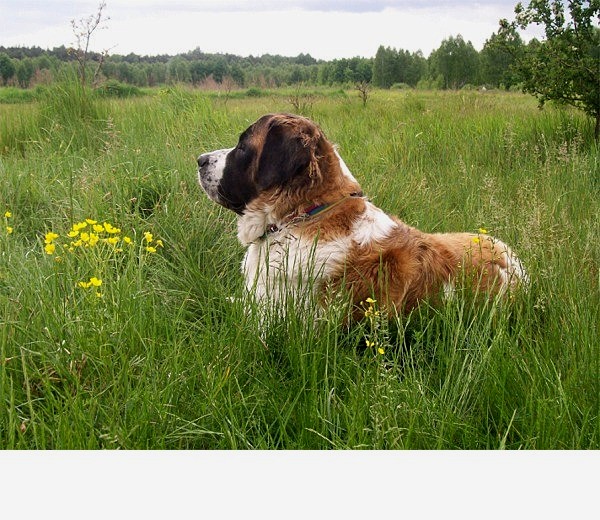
(372, 226)
(345, 170)
(210, 171)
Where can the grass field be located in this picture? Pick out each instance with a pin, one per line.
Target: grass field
(125, 337)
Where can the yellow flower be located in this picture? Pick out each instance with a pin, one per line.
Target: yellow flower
(370, 343)
(150, 249)
(95, 281)
(50, 248)
(371, 300)
(85, 237)
(109, 228)
(9, 229)
(112, 240)
(475, 240)
(127, 240)
(380, 350)
(483, 231)
(90, 221)
(98, 228)
(79, 226)
(99, 294)
(73, 233)
(94, 239)
(159, 243)
(50, 236)
(7, 214)
(148, 237)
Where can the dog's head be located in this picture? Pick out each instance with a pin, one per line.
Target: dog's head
(279, 155)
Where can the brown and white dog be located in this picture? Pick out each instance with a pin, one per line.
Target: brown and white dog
(307, 226)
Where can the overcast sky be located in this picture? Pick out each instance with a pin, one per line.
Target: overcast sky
(324, 29)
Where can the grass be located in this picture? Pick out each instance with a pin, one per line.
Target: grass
(163, 359)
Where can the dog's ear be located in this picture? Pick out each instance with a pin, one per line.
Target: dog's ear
(289, 149)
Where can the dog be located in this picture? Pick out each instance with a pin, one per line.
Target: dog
(307, 226)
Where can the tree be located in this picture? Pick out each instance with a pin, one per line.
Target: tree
(83, 31)
(456, 61)
(565, 67)
(24, 72)
(383, 67)
(497, 62)
(7, 69)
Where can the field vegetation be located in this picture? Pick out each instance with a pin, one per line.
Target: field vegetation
(117, 326)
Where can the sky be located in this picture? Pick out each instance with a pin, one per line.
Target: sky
(325, 29)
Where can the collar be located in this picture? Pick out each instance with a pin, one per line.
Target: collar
(309, 212)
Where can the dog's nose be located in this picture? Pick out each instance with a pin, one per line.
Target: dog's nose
(203, 160)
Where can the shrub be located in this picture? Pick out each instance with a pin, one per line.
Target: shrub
(254, 92)
(115, 89)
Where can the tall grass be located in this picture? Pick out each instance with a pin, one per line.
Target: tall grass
(164, 358)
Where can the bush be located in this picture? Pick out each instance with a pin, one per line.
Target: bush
(254, 92)
(116, 89)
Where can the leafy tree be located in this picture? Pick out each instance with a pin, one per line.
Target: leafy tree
(7, 69)
(497, 62)
(456, 61)
(397, 66)
(565, 67)
(383, 67)
(178, 70)
(24, 72)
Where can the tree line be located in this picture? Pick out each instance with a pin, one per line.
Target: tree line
(453, 65)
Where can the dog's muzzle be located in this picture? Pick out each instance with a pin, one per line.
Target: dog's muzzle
(210, 171)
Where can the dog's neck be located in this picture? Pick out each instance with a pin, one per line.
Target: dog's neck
(257, 225)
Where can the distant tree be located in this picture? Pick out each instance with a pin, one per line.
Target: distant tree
(304, 59)
(363, 91)
(83, 31)
(417, 69)
(384, 67)
(456, 61)
(565, 67)
(392, 66)
(7, 69)
(24, 72)
(178, 70)
(497, 62)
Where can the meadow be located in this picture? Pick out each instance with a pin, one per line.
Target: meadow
(116, 325)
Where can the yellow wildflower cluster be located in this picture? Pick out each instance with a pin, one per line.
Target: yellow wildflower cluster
(481, 231)
(8, 229)
(374, 317)
(94, 282)
(50, 246)
(96, 243)
(149, 239)
(90, 233)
